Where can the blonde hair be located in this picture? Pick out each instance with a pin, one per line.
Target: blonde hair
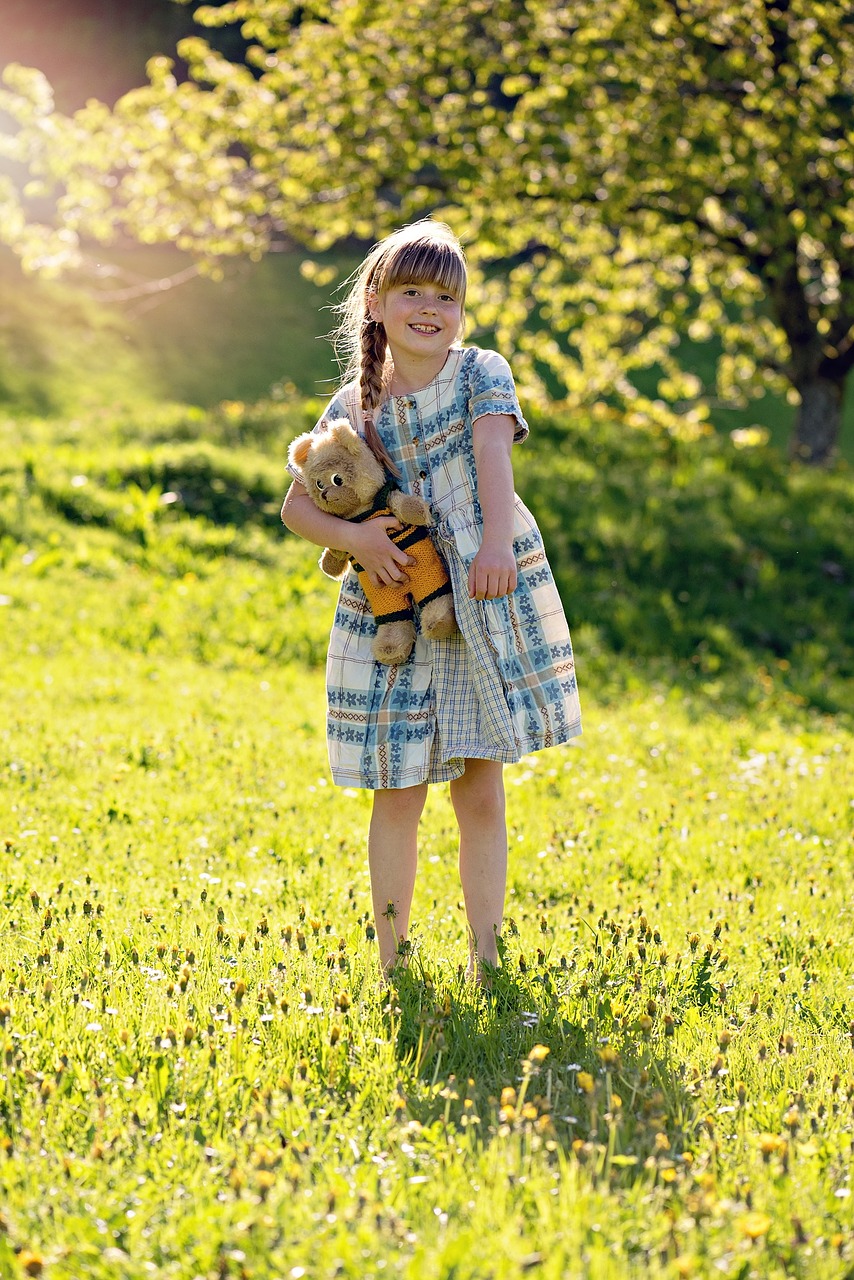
(425, 252)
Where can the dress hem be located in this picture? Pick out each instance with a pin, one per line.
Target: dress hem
(449, 769)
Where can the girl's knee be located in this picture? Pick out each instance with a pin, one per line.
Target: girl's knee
(400, 803)
(480, 791)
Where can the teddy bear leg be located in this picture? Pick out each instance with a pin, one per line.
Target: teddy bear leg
(394, 641)
(438, 620)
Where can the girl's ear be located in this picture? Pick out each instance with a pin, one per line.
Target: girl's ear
(374, 307)
(300, 449)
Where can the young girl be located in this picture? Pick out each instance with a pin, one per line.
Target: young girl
(443, 418)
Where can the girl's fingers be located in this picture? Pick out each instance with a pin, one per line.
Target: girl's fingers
(492, 576)
(393, 575)
(486, 586)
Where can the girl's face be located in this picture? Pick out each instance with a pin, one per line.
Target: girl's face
(420, 320)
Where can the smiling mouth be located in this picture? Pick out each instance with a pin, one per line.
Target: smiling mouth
(425, 328)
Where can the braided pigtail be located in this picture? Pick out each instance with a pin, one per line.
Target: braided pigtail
(373, 344)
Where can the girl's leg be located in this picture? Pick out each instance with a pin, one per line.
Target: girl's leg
(478, 800)
(393, 858)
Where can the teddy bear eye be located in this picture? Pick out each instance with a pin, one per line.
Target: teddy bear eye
(337, 481)
(319, 484)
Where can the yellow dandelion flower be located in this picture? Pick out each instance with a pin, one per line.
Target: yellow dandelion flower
(770, 1143)
(754, 1225)
(539, 1053)
(508, 1096)
(264, 1182)
(585, 1081)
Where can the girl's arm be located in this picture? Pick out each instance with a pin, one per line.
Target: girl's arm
(368, 542)
(493, 570)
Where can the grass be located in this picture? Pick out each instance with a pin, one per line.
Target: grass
(200, 1073)
(724, 559)
(65, 350)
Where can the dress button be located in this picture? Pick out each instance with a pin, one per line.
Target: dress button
(412, 403)
(423, 475)
(415, 439)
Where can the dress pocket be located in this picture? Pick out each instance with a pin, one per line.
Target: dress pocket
(460, 531)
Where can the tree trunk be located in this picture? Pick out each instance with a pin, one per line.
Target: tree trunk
(818, 421)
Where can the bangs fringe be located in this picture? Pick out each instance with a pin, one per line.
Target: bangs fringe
(426, 263)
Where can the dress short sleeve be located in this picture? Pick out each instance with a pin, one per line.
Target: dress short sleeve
(492, 390)
(335, 409)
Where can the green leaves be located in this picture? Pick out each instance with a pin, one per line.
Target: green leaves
(628, 164)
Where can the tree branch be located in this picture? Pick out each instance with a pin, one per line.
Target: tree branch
(147, 288)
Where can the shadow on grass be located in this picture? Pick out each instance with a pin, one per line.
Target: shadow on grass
(730, 563)
(541, 1052)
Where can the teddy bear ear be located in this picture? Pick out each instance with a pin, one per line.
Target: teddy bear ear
(344, 435)
(300, 449)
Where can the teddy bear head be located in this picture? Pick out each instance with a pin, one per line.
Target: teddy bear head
(339, 471)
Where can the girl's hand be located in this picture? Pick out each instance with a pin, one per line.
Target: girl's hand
(373, 548)
(493, 572)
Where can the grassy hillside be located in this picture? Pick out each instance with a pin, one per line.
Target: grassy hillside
(64, 350)
(200, 342)
(201, 1075)
(720, 569)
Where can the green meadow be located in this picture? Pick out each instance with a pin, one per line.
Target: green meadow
(201, 1075)
(138, 327)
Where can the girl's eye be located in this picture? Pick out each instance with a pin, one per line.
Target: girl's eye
(337, 481)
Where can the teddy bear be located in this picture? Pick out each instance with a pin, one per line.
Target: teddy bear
(343, 477)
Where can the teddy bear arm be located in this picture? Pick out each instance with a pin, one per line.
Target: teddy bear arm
(409, 509)
(333, 563)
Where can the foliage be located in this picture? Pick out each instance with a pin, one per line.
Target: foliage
(166, 178)
(648, 171)
(86, 54)
(201, 1076)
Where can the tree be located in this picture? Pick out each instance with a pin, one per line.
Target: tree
(158, 167)
(644, 170)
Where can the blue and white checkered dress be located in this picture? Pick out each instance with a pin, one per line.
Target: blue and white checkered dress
(505, 685)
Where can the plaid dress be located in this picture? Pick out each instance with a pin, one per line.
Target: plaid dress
(505, 685)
